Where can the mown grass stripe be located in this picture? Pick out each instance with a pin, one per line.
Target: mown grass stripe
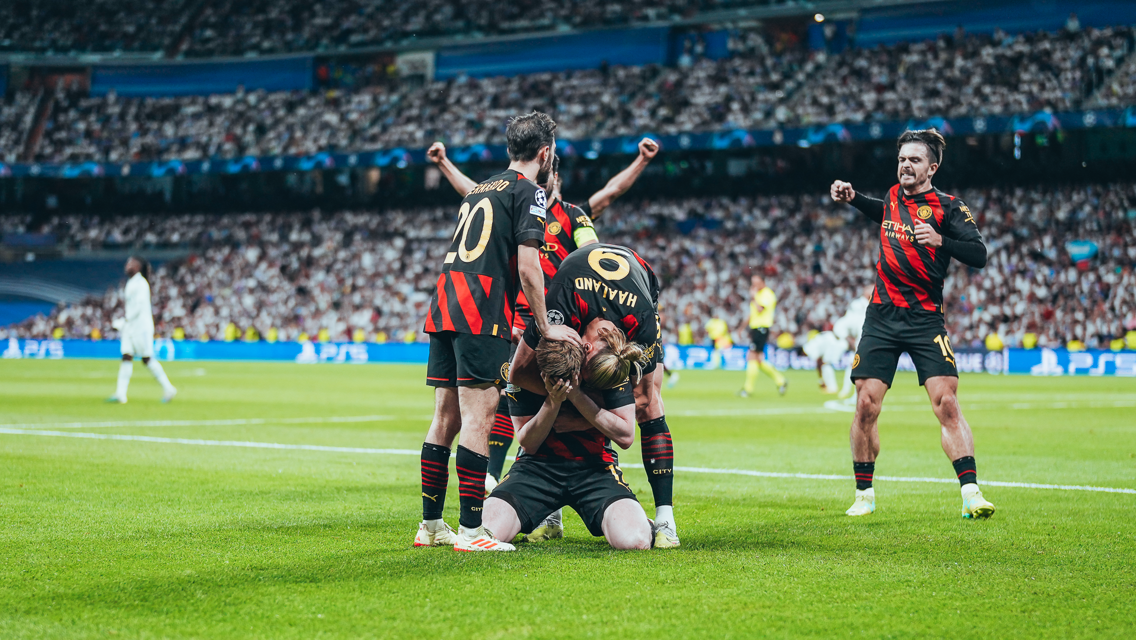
(415, 452)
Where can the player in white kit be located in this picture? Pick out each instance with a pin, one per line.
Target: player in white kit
(137, 332)
(826, 349)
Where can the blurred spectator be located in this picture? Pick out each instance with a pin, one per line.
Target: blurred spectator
(302, 273)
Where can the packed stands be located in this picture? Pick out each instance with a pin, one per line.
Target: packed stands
(963, 75)
(205, 28)
(73, 26)
(758, 86)
(16, 120)
(369, 271)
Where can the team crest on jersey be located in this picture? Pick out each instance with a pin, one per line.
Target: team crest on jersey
(554, 228)
(924, 212)
(540, 199)
(555, 317)
(856, 361)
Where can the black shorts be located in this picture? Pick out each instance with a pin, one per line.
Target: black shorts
(889, 331)
(535, 487)
(465, 360)
(758, 337)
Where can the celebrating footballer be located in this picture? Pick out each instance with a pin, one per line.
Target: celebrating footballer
(921, 230)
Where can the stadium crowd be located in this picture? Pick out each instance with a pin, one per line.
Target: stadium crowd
(758, 86)
(300, 273)
(249, 27)
(964, 75)
(16, 118)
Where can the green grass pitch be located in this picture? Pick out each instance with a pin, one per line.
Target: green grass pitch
(108, 538)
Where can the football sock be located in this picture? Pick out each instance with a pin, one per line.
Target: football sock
(828, 374)
(658, 459)
(967, 472)
(864, 472)
(124, 371)
(471, 487)
(665, 513)
(159, 374)
(772, 372)
(500, 439)
(435, 478)
(752, 372)
(849, 386)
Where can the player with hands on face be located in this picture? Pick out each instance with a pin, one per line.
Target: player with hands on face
(496, 245)
(565, 433)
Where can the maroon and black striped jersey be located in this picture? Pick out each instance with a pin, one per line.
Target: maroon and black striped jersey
(908, 274)
(588, 445)
(478, 286)
(605, 281)
(567, 225)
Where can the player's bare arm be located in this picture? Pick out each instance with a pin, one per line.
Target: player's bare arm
(618, 425)
(461, 183)
(622, 181)
(534, 429)
(532, 282)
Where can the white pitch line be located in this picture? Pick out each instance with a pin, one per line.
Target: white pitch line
(777, 411)
(415, 452)
(207, 443)
(198, 423)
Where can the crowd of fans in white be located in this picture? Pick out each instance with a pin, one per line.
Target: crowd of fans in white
(259, 27)
(759, 86)
(964, 75)
(78, 26)
(303, 272)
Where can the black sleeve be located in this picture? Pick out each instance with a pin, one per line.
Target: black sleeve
(961, 237)
(869, 206)
(587, 209)
(529, 212)
(560, 305)
(524, 403)
(620, 396)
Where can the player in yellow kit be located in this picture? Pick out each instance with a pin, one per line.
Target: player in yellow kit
(718, 330)
(762, 306)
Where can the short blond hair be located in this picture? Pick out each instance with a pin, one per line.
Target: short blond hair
(616, 363)
(559, 360)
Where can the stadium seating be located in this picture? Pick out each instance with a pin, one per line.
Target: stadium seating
(232, 28)
(757, 87)
(303, 272)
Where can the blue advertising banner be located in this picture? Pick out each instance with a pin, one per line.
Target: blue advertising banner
(1039, 122)
(1037, 362)
(163, 79)
(167, 350)
(1060, 362)
(554, 53)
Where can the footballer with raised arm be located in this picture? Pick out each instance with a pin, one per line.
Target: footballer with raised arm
(569, 227)
(566, 459)
(603, 287)
(495, 248)
(921, 229)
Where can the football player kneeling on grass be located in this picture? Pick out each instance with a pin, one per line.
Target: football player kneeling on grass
(566, 457)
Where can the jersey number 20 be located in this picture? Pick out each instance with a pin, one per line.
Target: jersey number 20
(465, 219)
